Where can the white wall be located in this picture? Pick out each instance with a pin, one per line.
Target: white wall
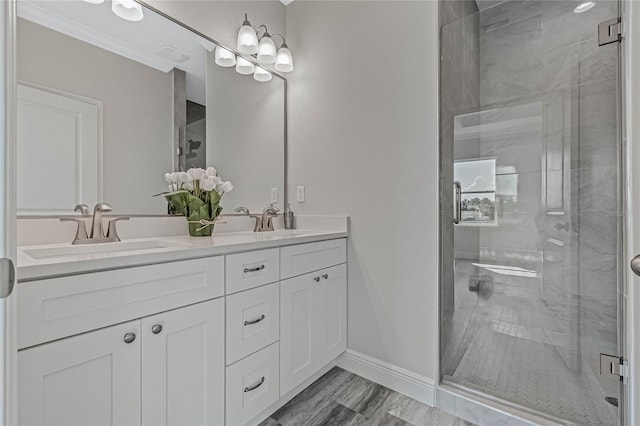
(363, 140)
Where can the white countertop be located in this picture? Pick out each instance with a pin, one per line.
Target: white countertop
(172, 248)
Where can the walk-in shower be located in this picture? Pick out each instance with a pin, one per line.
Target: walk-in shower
(530, 229)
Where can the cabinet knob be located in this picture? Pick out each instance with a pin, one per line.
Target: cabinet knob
(129, 337)
(156, 328)
(316, 279)
(325, 276)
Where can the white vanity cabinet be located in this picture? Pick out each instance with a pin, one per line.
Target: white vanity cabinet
(167, 369)
(90, 379)
(211, 341)
(313, 326)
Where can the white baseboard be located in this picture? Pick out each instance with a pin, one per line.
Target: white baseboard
(406, 382)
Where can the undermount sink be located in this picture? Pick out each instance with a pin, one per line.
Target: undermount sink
(96, 249)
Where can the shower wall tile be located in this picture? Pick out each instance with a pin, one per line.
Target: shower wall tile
(579, 63)
(595, 189)
(453, 10)
(563, 27)
(597, 232)
(594, 146)
(507, 13)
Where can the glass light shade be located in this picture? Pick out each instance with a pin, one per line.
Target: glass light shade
(262, 75)
(284, 60)
(267, 51)
(127, 9)
(244, 67)
(247, 40)
(224, 58)
(94, 1)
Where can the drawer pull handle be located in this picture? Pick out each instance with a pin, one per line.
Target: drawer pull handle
(325, 276)
(256, 386)
(256, 269)
(129, 337)
(156, 328)
(316, 279)
(255, 321)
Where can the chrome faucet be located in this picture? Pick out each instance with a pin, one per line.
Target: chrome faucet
(97, 230)
(266, 221)
(258, 219)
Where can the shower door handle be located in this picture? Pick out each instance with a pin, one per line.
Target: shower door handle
(457, 202)
(635, 265)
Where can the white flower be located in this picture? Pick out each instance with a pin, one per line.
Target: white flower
(188, 186)
(207, 184)
(180, 177)
(196, 174)
(211, 171)
(168, 177)
(224, 187)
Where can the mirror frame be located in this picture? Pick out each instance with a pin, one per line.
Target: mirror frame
(254, 61)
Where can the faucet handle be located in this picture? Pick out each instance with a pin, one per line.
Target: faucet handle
(242, 210)
(81, 232)
(112, 232)
(82, 208)
(102, 207)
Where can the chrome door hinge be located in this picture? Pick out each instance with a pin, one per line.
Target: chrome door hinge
(613, 366)
(609, 31)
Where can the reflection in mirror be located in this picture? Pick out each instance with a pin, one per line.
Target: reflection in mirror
(107, 106)
(245, 133)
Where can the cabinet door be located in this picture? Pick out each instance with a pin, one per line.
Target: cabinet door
(90, 379)
(330, 303)
(183, 366)
(296, 331)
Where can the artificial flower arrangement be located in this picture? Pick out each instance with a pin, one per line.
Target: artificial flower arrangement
(196, 194)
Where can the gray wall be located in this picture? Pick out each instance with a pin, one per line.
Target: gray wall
(363, 140)
(137, 114)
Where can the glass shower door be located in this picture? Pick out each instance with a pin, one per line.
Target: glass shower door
(529, 131)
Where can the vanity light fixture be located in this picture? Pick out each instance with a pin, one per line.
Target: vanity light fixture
(224, 58)
(247, 38)
(263, 47)
(262, 75)
(94, 1)
(244, 67)
(266, 48)
(127, 9)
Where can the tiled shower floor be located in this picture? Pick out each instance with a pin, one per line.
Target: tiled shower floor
(508, 344)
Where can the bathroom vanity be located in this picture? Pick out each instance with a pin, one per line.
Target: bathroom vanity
(222, 335)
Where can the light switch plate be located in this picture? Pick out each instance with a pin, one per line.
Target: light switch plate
(274, 195)
(300, 194)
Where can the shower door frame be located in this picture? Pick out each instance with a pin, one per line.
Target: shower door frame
(628, 228)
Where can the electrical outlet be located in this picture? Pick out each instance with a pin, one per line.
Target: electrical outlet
(300, 194)
(274, 195)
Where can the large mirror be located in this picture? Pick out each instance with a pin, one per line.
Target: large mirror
(107, 106)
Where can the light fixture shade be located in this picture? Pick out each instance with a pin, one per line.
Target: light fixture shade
(583, 7)
(224, 58)
(262, 75)
(267, 50)
(244, 67)
(94, 1)
(247, 40)
(127, 9)
(284, 60)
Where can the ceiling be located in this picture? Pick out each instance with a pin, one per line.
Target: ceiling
(139, 41)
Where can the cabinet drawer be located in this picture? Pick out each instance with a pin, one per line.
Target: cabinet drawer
(303, 258)
(253, 321)
(252, 269)
(59, 307)
(252, 385)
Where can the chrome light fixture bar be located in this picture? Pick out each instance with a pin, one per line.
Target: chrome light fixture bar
(259, 44)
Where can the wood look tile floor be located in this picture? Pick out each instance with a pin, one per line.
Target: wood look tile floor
(342, 398)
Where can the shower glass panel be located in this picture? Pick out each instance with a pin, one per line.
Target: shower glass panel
(530, 274)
